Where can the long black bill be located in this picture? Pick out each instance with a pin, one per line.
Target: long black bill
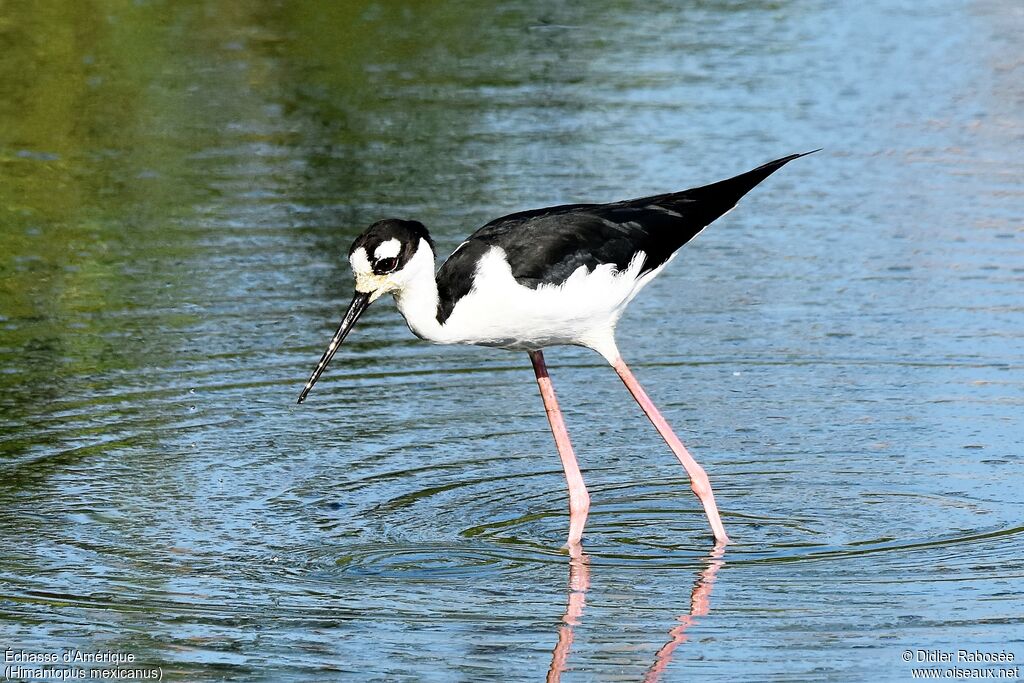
(359, 304)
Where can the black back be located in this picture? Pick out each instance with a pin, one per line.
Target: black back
(545, 246)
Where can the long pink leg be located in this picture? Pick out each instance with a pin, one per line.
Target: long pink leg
(579, 499)
(698, 477)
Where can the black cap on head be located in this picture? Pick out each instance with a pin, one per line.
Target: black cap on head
(407, 233)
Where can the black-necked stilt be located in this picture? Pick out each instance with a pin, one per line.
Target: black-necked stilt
(560, 275)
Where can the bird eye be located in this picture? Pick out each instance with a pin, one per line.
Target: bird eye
(386, 265)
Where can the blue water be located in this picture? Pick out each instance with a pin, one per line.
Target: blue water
(844, 353)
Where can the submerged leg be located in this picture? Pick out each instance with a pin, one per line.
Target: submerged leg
(579, 499)
(698, 478)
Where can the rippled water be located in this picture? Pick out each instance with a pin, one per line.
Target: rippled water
(844, 353)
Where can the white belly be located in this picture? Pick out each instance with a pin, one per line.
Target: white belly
(583, 310)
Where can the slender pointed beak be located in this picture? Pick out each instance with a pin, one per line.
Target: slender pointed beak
(359, 304)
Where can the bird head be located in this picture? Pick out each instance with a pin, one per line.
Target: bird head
(381, 256)
(382, 260)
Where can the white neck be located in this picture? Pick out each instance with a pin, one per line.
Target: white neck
(417, 298)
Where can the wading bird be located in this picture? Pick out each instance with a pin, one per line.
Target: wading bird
(529, 280)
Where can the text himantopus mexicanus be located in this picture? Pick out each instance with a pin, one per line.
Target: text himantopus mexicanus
(529, 280)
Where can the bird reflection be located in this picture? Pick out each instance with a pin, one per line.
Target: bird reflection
(700, 605)
(579, 582)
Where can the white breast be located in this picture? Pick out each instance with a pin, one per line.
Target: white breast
(583, 310)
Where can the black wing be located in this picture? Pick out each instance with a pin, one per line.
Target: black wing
(545, 246)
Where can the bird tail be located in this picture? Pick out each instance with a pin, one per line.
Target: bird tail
(703, 205)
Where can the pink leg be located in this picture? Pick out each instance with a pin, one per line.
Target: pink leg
(579, 499)
(698, 478)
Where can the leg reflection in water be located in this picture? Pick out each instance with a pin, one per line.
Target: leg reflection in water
(579, 582)
(700, 605)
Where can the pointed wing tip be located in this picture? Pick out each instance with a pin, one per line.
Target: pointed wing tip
(773, 166)
(785, 160)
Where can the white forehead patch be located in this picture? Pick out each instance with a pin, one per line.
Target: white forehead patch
(388, 249)
(360, 264)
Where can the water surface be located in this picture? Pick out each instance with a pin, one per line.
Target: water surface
(179, 183)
